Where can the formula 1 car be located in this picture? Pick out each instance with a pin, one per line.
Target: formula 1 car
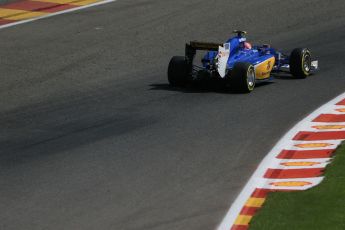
(238, 63)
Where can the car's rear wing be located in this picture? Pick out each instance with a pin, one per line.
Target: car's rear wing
(204, 45)
(193, 46)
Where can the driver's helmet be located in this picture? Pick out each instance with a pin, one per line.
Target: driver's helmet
(247, 45)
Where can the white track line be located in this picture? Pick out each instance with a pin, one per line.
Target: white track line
(56, 13)
(256, 179)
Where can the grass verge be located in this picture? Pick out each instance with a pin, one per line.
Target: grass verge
(321, 208)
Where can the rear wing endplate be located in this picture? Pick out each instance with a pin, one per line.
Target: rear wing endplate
(193, 46)
(205, 45)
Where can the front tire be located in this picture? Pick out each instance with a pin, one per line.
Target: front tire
(300, 62)
(242, 77)
(178, 71)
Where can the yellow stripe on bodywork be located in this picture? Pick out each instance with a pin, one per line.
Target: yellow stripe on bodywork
(18, 14)
(263, 69)
(71, 2)
(243, 220)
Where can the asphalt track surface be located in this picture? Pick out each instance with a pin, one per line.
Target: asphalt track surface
(92, 137)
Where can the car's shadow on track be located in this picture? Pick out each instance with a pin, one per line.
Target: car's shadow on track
(203, 87)
(284, 76)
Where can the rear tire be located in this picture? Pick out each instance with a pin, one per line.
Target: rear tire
(178, 71)
(242, 77)
(300, 62)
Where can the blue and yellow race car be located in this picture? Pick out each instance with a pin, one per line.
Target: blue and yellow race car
(238, 63)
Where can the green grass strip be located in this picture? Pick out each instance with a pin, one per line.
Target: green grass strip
(322, 207)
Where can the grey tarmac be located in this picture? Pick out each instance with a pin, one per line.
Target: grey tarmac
(92, 136)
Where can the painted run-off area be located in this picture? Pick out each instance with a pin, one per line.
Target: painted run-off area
(322, 207)
(14, 12)
(296, 163)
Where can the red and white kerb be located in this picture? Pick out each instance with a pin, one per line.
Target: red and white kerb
(297, 162)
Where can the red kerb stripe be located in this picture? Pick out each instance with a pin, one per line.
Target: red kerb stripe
(260, 193)
(249, 211)
(4, 21)
(330, 118)
(59, 8)
(38, 6)
(240, 227)
(305, 154)
(317, 136)
(29, 5)
(341, 102)
(293, 173)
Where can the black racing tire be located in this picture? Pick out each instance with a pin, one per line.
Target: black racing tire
(242, 77)
(300, 62)
(178, 71)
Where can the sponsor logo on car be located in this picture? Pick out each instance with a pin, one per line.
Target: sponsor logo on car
(269, 64)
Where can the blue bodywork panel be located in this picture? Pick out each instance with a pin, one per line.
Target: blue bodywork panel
(238, 53)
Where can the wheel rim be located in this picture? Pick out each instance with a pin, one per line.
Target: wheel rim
(251, 78)
(306, 62)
